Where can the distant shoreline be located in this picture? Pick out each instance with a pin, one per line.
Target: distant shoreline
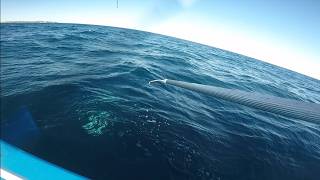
(5, 22)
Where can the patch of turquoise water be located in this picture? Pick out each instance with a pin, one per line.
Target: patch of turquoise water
(97, 123)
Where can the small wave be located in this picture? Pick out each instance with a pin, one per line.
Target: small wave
(94, 33)
(99, 53)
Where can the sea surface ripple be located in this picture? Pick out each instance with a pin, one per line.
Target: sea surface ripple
(87, 90)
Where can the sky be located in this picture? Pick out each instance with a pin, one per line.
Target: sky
(285, 33)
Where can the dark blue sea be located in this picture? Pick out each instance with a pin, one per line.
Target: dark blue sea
(86, 89)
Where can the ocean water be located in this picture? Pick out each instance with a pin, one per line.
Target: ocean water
(86, 89)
